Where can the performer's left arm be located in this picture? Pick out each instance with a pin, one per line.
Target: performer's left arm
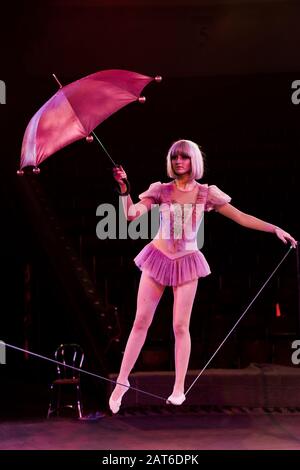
(249, 221)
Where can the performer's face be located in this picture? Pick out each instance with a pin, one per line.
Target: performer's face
(181, 164)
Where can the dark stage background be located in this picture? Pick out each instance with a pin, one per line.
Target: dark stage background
(227, 68)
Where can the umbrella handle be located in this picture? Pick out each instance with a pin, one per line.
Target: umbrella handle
(126, 182)
(127, 188)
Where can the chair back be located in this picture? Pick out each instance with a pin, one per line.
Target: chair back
(69, 355)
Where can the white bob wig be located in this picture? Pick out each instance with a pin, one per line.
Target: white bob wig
(189, 149)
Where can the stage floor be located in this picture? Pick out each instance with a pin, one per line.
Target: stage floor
(227, 429)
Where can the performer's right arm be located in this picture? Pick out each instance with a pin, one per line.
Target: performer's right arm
(132, 211)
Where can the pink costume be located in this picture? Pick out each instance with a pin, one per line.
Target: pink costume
(172, 257)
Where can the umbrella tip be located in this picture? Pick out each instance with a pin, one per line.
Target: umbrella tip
(57, 81)
(158, 78)
(36, 170)
(20, 172)
(89, 139)
(142, 99)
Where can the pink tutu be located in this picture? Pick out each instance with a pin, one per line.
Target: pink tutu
(171, 272)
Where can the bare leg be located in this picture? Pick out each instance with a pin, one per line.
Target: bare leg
(149, 295)
(184, 296)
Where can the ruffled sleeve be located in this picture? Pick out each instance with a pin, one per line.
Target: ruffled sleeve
(215, 197)
(153, 192)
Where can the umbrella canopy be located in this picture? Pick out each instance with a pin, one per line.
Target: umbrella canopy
(76, 109)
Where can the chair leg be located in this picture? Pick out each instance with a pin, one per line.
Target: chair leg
(55, 400)
(79, 406)
(51, 402)
(58, 399)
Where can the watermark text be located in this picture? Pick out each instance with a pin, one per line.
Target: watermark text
(174, 222)
(2, 92)
(296, 94)
(296, 354)
(2, 352)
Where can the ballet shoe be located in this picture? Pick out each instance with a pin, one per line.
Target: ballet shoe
(176, 400)
(114, 405)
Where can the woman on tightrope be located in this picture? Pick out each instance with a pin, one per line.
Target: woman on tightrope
(172, 258)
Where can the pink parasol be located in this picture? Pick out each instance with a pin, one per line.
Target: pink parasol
(76, 110)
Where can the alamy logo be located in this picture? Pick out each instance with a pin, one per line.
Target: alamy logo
(178, 222)
(296, 94)
(2, 353)
(2, 92)
(295, 358)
